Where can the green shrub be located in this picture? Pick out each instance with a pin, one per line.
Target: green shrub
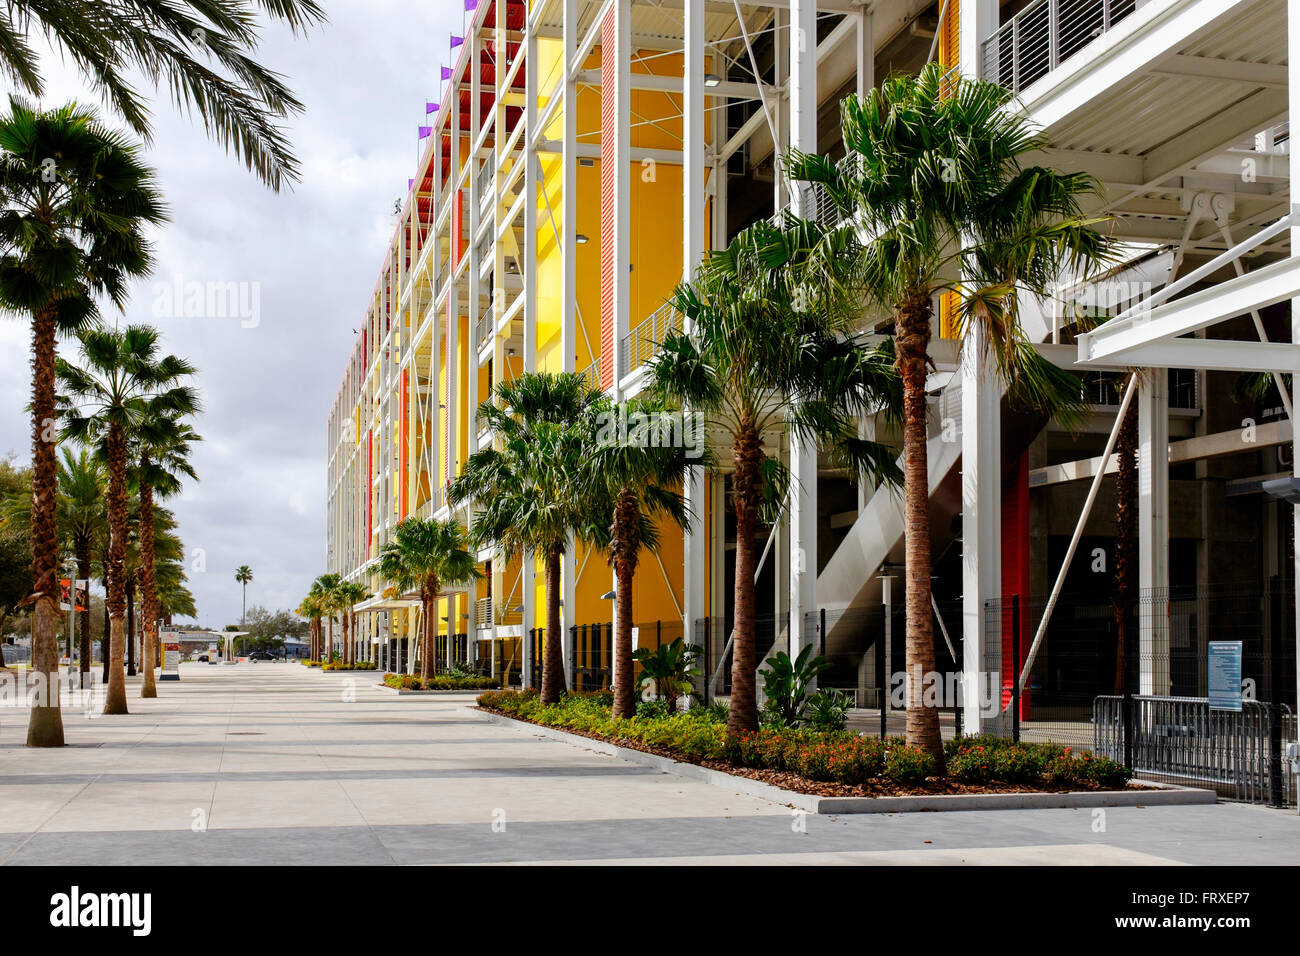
(827, 709)
(908, 766)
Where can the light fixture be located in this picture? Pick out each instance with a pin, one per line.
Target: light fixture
(580, 239)
(712, 79)
(518, 609)
(608, 596)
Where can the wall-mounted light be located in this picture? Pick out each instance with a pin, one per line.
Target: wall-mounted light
(712, 79)
(608, 596)
(580, 239)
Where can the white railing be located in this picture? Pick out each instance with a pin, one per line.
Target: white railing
(1045, 34)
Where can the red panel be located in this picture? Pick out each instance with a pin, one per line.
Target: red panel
(608, 197)
(370, 495)
(1015, 574)
(457, 228)
(402, 482)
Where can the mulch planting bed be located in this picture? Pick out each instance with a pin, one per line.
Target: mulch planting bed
(791, 781)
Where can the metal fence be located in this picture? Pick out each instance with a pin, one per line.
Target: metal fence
(1045, 34)
(1182, 740)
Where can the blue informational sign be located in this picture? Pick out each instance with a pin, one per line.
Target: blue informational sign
(1223, 670)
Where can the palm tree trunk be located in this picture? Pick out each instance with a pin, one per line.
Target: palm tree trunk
(624, 549)
(1126, 508)
(747, 496)
(83, 574)
(426, 649)
(130, 624)
(553, 650)
(115, 702)
(148, 586)
(104, 637)
(45, 726)
(912, 343)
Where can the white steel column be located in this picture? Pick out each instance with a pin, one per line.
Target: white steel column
(1293, 83)
(1153, 531)
(569, 314)
(531, 178)
(694, 572)
(803, 452)
(866, 53)
(981, 457)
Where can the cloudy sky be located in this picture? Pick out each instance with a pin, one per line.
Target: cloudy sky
(310, 256)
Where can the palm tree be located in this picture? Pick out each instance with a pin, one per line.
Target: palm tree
(427, 555)
(642, 480)
(200, 51)
(122, 379)
(313, 609)
(162, 449)
(531, 492)
(770, 349)
(934, 173)
(82, 480)
(350, 594)
(70, 230)
(244, 575)
(324, 588)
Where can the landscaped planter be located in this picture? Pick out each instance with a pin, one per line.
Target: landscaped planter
(873, 795)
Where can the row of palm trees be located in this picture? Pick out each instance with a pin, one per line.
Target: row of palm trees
(75, 201)
(328, 597)
(935, 198)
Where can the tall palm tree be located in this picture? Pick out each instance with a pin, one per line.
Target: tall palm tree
(531, 491)
(122, 379)
(162, 458)
(312, 608)
(935, 175)
(200, 50)
(770, 348)
(70, 230)
(244, 575)
(324, 588)
(640, 475)
(82, 481)
(428, 555)
(350, 594)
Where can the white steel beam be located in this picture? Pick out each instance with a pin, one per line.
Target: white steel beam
(1153, 531)
(1293, 83)
(694, 571)
(981, 456)
(1265, 286)
(803, 451)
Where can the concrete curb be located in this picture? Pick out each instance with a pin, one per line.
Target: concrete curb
(430, 693)
(1163, 795)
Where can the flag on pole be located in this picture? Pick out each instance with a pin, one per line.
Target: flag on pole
(430, 108)
(446, 73)
(410, 183)
(456, 41)
(425, 132)
(471, 5)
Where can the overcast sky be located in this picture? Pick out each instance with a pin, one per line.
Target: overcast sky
(311, 256)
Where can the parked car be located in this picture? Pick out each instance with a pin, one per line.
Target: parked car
(262, 656)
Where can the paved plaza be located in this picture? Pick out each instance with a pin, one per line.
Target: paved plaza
(273, 763)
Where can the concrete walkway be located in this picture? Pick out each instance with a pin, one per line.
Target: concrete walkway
(276, 763)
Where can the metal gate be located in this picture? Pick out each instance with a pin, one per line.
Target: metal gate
(1181, 740)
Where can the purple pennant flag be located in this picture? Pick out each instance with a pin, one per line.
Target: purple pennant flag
(430, 108)
(446, 73)
(456, 41)
(410, 183)
(471, 5)
(425, 132)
